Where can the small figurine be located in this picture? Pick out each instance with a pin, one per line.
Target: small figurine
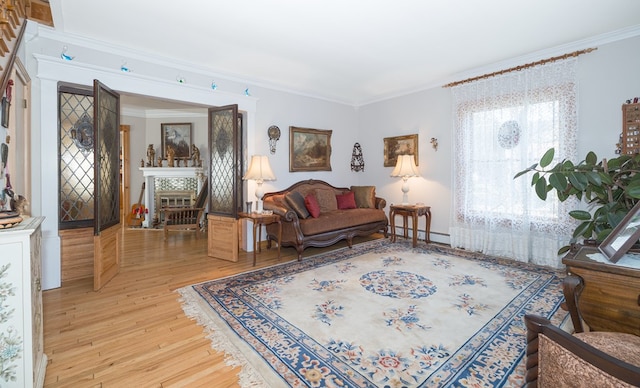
(171, 153)
(159, 161)
(195, 156)
(141, 162)
(151, 156)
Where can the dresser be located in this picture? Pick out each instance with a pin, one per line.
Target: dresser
(605, 296)
(22, 361)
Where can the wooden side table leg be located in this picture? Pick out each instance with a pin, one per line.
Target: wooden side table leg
(392, 215)
(254, 242)
(405, 230)
(414, 219)
(427, 231)
(279, 237)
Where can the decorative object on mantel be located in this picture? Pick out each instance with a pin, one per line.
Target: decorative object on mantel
(434, 143)
(405, 169)
(195, 157)
(171, 153)
(259, 171)
(274, 136)
(357, 161)
(159, 161)
(151, 156)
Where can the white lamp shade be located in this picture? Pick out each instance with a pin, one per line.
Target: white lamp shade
(405, 167)
(259, 169)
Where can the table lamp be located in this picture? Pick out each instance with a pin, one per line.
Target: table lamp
(405, 168)
(259, 171)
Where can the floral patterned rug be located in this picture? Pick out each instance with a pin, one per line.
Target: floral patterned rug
(378, 315)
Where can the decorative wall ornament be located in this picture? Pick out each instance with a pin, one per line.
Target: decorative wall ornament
(82, 134)
(274, 136)
(434, 143)
(357, 161)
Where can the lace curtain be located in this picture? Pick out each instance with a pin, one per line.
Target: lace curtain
(503, 125)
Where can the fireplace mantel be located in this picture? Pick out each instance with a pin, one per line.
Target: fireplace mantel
(151, 173)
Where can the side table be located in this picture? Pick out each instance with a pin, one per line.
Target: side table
(259, 219)
(415, 212)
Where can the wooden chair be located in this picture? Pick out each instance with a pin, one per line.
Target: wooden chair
(556, 358)
(186, 218)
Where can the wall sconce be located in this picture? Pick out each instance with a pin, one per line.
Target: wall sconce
(434, 143)
(259, 171)
(405, 169)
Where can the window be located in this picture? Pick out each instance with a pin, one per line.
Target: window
(503, 125)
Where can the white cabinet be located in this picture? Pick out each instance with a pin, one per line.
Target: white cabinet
(22, 359)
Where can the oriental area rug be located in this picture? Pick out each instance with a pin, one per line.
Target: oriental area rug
(378, 315)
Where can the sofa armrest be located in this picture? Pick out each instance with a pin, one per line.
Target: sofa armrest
(287, 214)
(381, 203)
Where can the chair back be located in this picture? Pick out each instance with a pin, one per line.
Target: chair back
(201, 199)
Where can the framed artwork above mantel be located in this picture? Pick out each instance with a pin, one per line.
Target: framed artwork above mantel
(179, 136)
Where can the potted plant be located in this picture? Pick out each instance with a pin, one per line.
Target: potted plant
(609, 187)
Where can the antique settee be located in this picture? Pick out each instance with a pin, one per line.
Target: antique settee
(317, 214)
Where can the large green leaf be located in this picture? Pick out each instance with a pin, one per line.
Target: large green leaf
(558, 181)
(591, 158)
(541, 188)
(580, 215)
(547, 158)
(585, 230)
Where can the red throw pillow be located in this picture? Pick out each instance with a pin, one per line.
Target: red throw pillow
(312, 205)
(346, 200)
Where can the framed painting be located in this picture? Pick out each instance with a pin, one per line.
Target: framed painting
(309, 149)
(177, 136)
(400, 145)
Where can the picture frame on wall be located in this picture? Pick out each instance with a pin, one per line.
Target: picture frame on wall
(179, 136)
(309, 149)
(400, 145)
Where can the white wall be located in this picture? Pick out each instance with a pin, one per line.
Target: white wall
(606, 76)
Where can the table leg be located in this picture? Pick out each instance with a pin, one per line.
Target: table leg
(279, 237)
(427, 235)
(405, 231)
(392, 215)
(414, 218)
(254, 243)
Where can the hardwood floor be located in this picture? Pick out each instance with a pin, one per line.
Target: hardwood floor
(133, 333)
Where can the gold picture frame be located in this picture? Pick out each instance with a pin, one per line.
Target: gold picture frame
(309, 149)
(179, 136)
(400, 145)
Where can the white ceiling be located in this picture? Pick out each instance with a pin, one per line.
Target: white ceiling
(351, 51)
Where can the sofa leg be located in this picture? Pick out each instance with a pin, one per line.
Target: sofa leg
(350, 242)
(299, 253)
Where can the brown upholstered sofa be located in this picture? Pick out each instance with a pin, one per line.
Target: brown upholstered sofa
(338, 213)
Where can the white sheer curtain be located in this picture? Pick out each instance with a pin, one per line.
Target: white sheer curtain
(503, 125)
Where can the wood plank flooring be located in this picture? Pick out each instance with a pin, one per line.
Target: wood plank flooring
(133, 333)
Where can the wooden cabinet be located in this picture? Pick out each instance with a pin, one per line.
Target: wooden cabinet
(605, 296)
(630, 138)
(22, 360)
